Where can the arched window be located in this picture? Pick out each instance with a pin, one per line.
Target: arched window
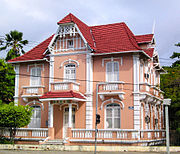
(35, 76)
(113, 116)
(112, 71)
(70, 72)
(36, 117)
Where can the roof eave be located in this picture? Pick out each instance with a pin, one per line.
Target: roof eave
(60, 98)
(24, 61)
(121, 52)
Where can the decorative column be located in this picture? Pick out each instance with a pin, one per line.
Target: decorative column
(51, 116)
(51, 128)
(51, 71)
(136, 65)
(70, 116)
(89, 91)
(16, 96)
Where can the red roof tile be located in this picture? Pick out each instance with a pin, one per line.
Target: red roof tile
(67, 94)
(149, 51)
(144, 38)
(35, 53)
(114, 38)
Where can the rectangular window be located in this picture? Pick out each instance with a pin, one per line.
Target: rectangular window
(70, 44)
(35, 76)
(112, 71)
(70, 72)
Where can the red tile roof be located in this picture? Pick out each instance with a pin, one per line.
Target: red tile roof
(66, 94)
(144, 38)
(114, 38)
(35, 53)
(149, 51)
(102, 39)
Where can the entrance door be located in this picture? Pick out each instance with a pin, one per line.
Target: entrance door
(66, 120)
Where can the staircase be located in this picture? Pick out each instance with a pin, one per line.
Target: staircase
(54, 142)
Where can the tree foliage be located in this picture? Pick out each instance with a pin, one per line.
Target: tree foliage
(6, 82)
(13, 117)
(170, 84)
(14, 44)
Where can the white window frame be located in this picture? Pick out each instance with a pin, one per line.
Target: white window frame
(34, 119)
(117, 73)
(105, 117)
(141, 72)
(34, 77)
(66, 68)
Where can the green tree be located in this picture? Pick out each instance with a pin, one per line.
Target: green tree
(13, 117)
(7, 78)
(170, 84)
(14, 44)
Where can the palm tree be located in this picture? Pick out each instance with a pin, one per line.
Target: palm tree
(14, 43)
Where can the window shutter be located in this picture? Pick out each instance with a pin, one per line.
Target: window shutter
(116, 71)
(35, 76)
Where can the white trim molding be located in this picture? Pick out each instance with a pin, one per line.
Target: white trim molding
(70, 61)
(112, 100)
(51, 71)
(34, 102)
(16, 96)
(136, 65)
(89, 91)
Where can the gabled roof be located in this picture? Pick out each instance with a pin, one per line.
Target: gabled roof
(66, 94)
(85, 30)
(34, 54)
(108, 38)
(144, 38)
(149, 51)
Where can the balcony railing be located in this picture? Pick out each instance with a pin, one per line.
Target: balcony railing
(26, 132)
(111, 86)
(67, 85)
(118, 134)
(33, 90)
(153, 90)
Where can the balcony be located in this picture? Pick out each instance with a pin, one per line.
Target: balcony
(117, 135)
(153, 90)
(64, 86)
(111, 88)
(32, 91)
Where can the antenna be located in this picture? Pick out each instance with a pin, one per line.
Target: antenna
(153, 27)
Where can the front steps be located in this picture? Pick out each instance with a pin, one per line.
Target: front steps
(55, 142)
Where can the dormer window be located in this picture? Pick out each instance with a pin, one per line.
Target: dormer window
(70, 44)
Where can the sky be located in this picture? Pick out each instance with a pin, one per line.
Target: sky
(37, 19)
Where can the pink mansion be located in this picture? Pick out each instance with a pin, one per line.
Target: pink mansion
(80, 66)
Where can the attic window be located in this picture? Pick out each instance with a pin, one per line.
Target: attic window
(70, 44)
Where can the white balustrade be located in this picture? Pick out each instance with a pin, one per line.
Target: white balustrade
(104, 134)
(67, 85)
(81, 133)
(61, 86)
(32, 90)
(25, 132)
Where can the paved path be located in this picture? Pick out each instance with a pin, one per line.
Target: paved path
(66, 152)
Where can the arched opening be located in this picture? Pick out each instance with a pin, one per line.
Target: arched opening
(112, 116)
(36, 117)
